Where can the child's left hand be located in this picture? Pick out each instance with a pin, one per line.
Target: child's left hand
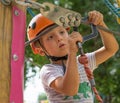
(95, 18)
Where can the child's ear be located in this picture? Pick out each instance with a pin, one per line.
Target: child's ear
(36, 48)
(36, 44)
(41, 51)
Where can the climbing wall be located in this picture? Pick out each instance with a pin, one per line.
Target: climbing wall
(5, 47)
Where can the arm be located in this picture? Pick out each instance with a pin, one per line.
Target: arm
(110, 45)
(69, 83)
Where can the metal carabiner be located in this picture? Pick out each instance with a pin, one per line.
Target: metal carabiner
(67, 18)
(61, 16)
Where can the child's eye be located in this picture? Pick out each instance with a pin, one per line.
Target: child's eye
(62, 32)
(50, 37)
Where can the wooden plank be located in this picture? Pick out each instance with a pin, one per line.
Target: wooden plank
(5, 49)
(5, 43)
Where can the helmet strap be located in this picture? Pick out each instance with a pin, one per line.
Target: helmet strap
(53, 58)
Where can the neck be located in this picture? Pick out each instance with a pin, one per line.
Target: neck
(53, 58)
(59, 62)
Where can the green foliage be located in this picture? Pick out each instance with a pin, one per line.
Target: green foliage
(107, 75)
(42, 97)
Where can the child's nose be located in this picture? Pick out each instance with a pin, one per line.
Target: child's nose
(59, 37)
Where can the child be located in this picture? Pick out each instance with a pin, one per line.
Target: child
(64, 79)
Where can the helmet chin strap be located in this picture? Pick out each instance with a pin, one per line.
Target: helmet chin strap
(53, 58)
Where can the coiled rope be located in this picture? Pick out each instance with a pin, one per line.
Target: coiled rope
(83, 60)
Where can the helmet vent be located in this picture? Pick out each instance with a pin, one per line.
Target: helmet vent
(33, 25)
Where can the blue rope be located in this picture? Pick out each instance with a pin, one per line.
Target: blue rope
(30, 11)
(112, 8)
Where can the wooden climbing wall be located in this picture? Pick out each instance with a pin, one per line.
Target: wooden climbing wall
(5, 45)
(5, 49)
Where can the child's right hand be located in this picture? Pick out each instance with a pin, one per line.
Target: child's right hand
(74, 37)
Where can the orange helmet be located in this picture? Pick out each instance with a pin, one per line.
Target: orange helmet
(38, 26)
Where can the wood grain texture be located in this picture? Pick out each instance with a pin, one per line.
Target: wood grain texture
(5, 49)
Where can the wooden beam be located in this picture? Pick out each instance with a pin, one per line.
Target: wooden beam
(5, 44)
(5, 49)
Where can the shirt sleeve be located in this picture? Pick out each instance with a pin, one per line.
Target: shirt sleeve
(91, 60)
(49, 73)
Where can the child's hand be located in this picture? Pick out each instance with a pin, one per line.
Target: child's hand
(95, 18)
(74, 37)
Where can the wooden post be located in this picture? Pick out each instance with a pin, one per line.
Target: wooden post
(5, 49)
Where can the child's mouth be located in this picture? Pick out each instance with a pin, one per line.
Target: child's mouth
(61, 45)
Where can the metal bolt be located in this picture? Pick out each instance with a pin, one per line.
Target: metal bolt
(15, 57)
(16, 12)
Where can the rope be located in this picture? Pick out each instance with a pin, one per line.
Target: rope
(108, 30)
(83, 60)
(115, 10)
(33, 63)
(112, 8)
(118, 18)
(30, 11)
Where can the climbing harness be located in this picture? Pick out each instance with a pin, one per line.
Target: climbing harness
(114, 9)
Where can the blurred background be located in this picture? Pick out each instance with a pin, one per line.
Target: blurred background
(106, 76)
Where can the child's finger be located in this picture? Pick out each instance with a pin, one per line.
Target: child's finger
(95, 17)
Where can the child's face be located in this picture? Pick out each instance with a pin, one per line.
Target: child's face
(56, 42)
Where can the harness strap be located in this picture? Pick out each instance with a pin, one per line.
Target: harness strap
(83, 60)
(17, 55)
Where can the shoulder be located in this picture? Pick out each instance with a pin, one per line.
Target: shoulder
(50, 69)
(50, 72)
